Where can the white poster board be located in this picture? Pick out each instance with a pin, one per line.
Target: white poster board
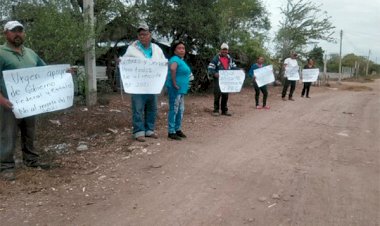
(37, 90)
(264, 75)
(310, 75)
(143, 76)
(292, 73)
(231, 81)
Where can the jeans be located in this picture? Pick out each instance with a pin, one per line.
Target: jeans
(217, 96)
(257, 93)
(292, 87)
(176, 109)
(144, 111)
(9, 126)
(306, 88)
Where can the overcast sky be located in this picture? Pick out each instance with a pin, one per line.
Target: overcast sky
(359, 20)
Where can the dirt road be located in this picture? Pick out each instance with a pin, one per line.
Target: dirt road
(308, 162)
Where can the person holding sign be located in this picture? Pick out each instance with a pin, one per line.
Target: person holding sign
(306, 85)
(222, 61)
(177, 84)
(291, 75)
(144, 106)
(259, 64)
(14, 55)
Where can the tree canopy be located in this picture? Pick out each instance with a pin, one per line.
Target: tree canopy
(303, 23)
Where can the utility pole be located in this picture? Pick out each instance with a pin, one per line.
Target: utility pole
(366, 70)
(325, 69)
(340, 55)
(89, 59)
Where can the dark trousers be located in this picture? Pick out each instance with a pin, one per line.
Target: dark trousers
(264, 90)
(286, 85)
(219, 95)
(9, 126)
(306, 89)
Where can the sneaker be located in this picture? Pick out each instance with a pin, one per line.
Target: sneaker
(226, 114)
(174, 136)
(301, 95)
(215, 113)
(38, 164)
(180, 134)
(153, 135)
(290, 98)
(8, 175)
(259, 107)
(266, 107)
(140, 139)
(307, 97)
(284, 99)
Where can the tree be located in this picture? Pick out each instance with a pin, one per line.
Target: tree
(303, 23)
(317, 54)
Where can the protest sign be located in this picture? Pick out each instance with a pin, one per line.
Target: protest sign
(310, 75)
(292, 73)
(37, 90)
(231, 81)
(143, 76)
(264, 75)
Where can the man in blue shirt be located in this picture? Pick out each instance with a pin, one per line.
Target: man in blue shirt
(144, 106)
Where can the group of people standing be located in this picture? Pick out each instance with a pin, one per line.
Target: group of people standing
(13, 55)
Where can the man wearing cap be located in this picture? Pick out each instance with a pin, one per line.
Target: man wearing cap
(222, 61)
(289, 64)
(14, 55)
(144, 106)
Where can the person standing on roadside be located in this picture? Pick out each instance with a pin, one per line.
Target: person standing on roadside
(177, 84)
(259, 64)
(289, 65)
(306, 85)
(222, 61)
(144, 106)
(14, 55)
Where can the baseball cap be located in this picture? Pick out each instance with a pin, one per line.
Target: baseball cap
(10, 25)
(224, 46)
(143, 27)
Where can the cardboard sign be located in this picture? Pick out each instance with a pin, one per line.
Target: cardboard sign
(143, 76)
(37, 90)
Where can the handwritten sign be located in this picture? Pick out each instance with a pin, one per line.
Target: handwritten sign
(292, 73)
(37, 90)
(310, 75)
(264, 75)
(143, 76)
(231, 81)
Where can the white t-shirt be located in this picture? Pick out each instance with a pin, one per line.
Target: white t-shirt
(290, 63)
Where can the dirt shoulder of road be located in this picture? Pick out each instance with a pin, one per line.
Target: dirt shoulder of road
(88, 145)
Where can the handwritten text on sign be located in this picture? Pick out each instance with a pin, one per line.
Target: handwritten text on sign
(310, 75)
(264, 75)
(231, 81)
(143, 76)
(292, 73)
(37, 90)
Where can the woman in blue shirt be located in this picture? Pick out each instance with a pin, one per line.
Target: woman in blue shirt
(259, 64)
(177, 84)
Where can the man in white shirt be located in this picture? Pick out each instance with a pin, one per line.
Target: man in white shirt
(291, 71)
